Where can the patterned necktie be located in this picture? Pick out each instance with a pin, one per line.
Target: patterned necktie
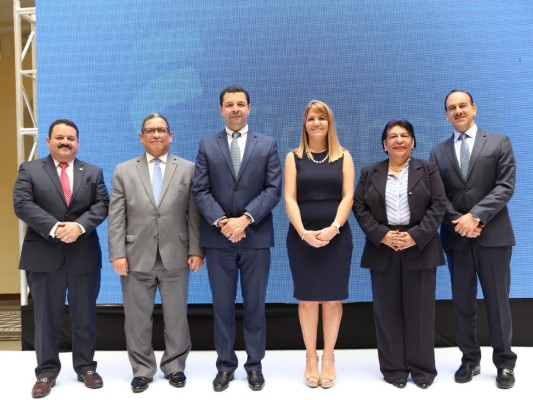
(157, 180)
(65, 182)
(235, 152)
(465, 155)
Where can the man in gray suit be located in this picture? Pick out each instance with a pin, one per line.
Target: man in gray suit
(154, 240)
(478, 171)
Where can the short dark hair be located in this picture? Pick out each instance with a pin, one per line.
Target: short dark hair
(399, 122)
(234, 89)
(152, 116)
(63, 121)
(457, 91)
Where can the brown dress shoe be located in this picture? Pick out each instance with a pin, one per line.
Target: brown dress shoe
(42, 387)
(91, 379)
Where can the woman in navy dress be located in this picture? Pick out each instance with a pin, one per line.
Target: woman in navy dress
(319, 188)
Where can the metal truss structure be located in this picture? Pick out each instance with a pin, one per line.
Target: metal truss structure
(26, 100)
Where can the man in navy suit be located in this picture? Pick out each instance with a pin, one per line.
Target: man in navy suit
(236, 184)
(62, 200)
(478, 171)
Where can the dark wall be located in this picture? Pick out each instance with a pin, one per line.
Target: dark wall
(357, 328)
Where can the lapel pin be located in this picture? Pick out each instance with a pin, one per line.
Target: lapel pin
(81, 169)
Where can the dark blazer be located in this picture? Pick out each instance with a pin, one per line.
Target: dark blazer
(427, 203)
(218, 192)
(39, 201)
(486, 191)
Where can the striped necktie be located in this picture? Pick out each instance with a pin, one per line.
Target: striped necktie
(465, 155)
(235, 152)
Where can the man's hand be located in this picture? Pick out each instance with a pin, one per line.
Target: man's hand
(68, 232)
(466, 226)
(234, 229)
(120, 266)
(195, 263)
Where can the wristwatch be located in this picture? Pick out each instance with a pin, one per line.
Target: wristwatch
(475, 217)
(337, 225)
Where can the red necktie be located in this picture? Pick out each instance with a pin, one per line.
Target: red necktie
(65, 182)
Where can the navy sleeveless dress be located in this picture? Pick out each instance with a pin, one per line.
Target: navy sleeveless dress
(319, 274)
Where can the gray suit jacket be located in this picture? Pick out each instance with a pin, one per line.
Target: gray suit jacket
(137, 225)
(486, 191)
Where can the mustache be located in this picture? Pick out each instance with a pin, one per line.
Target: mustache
(64, 146)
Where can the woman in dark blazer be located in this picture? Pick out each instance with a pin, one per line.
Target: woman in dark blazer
(399, 205)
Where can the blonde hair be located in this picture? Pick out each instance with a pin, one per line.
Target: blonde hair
(335, 150)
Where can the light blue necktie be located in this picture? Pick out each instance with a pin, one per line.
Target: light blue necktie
(157, 180)
(235, 152)
(465, 155)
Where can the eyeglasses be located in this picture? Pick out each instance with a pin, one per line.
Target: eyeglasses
(151, 131)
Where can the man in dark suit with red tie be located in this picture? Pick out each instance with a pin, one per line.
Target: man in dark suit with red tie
(62, 200)
(478, 170)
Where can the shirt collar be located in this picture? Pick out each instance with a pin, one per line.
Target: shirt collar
(150, 157)
(243, 131)
(471, 132)
(70, 163)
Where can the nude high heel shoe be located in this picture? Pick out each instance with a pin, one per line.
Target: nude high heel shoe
(312, 379)
(328, 375)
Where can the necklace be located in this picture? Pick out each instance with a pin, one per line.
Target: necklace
(401, 169)
(395, 170)
(310, 156)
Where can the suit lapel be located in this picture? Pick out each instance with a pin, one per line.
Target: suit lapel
(251, 142)
(50, 168)
(379, 178)
(415, 173)
(479, 143)
(449, 149)
(222, 141)
(78, 171)
(144, 174)
(170, 169)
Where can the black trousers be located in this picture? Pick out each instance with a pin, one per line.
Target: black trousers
(492, 266)
(404, 313)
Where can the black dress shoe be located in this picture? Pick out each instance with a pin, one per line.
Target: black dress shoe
(140, 384)
(222, 380)
(400, 383)
(177, 379)
(256, 381)
(423, 384)
(466, 372)
(505, 378)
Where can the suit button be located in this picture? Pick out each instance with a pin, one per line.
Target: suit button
(467, 190)
(235, 189)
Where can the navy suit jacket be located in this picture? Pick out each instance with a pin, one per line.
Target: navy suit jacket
(486, 191)
(39, 201)
(427, 205)
(256, 190)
